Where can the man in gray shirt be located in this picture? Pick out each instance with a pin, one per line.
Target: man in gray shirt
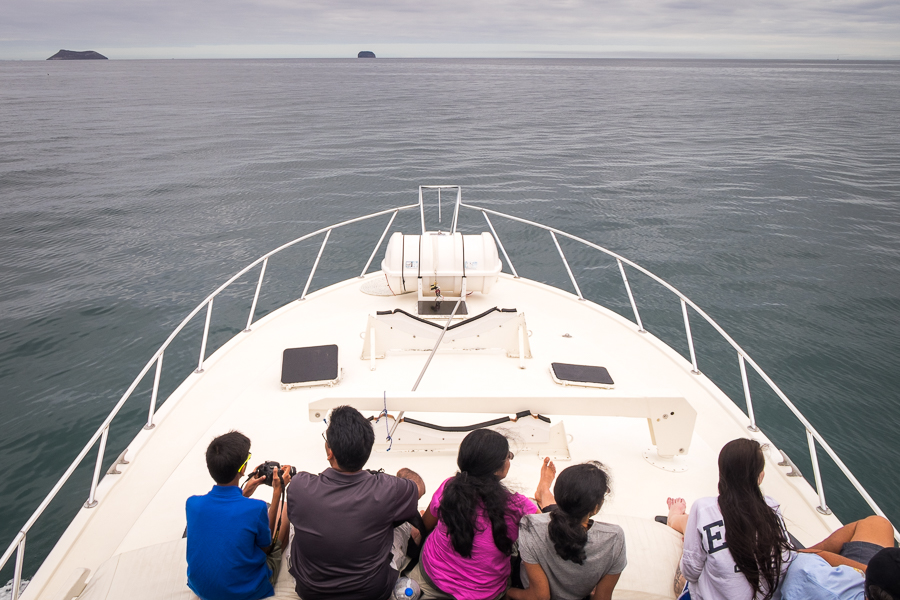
(344, 518)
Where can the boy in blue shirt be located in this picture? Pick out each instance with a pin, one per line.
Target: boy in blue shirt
(231, 553)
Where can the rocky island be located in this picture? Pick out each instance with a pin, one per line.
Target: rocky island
(76, 55)
(365, 54)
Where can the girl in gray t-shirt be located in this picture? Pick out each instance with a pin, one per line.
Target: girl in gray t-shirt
(566, 554)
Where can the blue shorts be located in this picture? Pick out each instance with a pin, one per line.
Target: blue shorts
(861, 552)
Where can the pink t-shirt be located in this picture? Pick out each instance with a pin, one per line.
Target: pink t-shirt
(484, 574)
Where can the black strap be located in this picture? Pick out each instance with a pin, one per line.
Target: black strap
(279, 509)
(403, 261)
(462, 237)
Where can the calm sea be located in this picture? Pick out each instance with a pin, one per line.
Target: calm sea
(768, 192)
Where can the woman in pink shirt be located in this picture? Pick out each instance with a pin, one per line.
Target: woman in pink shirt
(475, 521)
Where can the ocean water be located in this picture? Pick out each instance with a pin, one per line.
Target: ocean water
(768, 192)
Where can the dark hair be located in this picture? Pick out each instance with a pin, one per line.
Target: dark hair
(883, 575)
(754, 532)
(482, 453)
(578, 491)
(225, 455)
(350, 437)
(874, 592)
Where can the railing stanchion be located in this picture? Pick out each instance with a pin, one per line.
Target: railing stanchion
(92, 497)
(155, 392)
(315, 265)
(256, 295)
(378, 245)
(750, 413)
(822, 507)
(499, 243)
(637, 316)
(17, 574)
(205, 337)
(690, 338)
(565, 262)
(422, 209)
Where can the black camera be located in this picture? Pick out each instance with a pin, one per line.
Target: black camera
(267, 470)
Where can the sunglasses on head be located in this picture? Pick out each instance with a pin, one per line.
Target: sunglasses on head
(246, 462)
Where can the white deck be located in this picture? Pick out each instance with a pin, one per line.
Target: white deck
(240, 389)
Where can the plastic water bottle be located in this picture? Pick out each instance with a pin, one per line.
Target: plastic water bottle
(407, 589)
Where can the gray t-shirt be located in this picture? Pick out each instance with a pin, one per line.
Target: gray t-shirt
(344, 530)
(605, 552)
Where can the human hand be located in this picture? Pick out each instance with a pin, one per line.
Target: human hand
(252, 483)
(280, 478)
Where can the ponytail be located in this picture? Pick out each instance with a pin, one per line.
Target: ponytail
(482, 453)
(579, 491)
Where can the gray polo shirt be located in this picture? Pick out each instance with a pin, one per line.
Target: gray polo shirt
(343, 532)
(605, 551)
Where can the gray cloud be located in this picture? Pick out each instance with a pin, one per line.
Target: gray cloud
(861, 26)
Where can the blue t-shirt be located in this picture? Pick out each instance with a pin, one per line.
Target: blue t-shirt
(226, 537)
(811, 578)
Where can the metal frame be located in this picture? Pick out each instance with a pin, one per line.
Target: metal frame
(456, 204)
(812, 433)
(102, 432)
(101, 435)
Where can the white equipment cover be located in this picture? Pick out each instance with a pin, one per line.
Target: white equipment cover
(444, 259)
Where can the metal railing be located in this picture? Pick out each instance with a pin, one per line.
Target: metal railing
(812, 435)
(18, 544)
(102, 433)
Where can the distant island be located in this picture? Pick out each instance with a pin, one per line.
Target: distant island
(75, 55)
(365, 54)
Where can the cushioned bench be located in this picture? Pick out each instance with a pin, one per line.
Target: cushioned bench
(154, 573)
(653, 552)
(160, 572)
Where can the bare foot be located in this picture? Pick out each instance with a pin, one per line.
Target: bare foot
(548, 473)
(677, 506)
(678, 516)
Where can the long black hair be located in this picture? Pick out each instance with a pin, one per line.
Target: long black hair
(482, 453)
(579, 492)
(754, 532)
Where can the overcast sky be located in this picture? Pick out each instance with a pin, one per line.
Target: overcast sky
(817, 29)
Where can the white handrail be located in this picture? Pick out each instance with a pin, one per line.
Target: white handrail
(18, 543)
(790, 405)
(102, 431)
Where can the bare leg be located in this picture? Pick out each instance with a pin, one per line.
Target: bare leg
(680, 581)
(542, 494)
(875, 530)
(678, 516)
